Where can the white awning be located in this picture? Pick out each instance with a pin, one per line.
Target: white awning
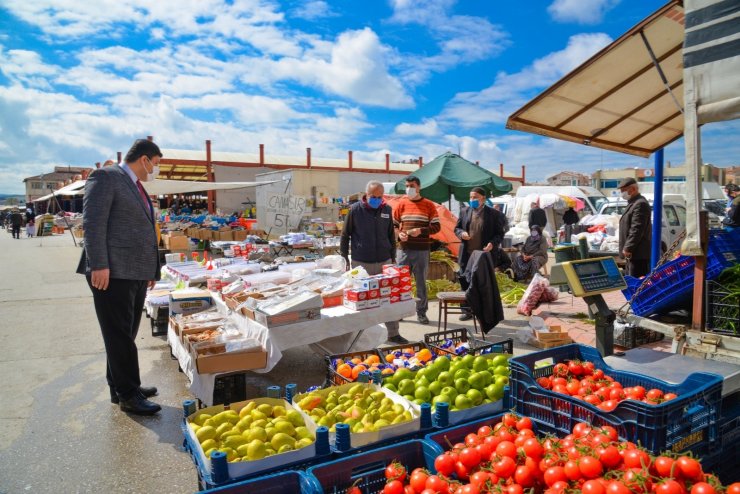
(74, 189)
(162, 187)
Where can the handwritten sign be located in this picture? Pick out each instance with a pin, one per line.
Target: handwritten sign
(284, 211)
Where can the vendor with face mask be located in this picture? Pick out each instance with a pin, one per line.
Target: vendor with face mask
(635, 230)
(479, 227)
(417, 220)
(369, 230)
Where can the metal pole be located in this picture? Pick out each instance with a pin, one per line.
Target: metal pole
(66, 222)
(657, 209)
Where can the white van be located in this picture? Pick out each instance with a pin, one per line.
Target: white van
(674, 219)
(593, 198)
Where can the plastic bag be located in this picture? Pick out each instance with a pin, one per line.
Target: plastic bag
(538, 291)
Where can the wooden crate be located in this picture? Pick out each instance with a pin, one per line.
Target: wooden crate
(439, 270)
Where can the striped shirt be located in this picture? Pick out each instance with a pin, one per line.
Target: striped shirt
(422, 214)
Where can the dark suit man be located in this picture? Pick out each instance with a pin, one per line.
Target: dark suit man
(16, 222)
(635, 241)
(480, 228)
(120, 261)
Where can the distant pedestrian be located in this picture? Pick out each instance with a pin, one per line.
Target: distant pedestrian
(417, 220)
(16, 222)
(30, 229)
(537, 216)
(570, 217)
(732, 220)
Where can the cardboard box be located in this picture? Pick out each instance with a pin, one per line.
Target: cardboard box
(404, 288)
(239, 235)
(373, 303)
(355, 295)
(385, 301)
(358, 305)
(176, 242)
(384, 280)
(175, 233)
(385, 291)
(396, 270)
(405, 296)
(395, 298)
(287, 317)
(185, 332)
(210, 363)
(189, 301)
(366, 283)
(224, 235)
(373, 294)
(331, 301)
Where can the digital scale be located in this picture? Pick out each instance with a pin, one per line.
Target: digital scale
(589, 278)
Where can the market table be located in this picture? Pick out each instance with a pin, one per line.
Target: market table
(338, 331)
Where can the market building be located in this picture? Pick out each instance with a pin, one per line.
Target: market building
(40, 185)
(606, 180)
(566, 178)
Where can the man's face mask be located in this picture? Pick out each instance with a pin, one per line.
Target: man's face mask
(375, 202)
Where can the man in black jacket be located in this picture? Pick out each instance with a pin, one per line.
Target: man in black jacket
(369, 230)
(635, 241)
(732, 220)
(537, 216)
(479, 227)
(16, 222)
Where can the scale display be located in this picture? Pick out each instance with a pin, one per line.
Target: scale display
(593, 276)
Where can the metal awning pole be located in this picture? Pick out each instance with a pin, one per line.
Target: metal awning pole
(657, 209)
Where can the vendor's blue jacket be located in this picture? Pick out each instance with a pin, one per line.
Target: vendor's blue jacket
(369, 232)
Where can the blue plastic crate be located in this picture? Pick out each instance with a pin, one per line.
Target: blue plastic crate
(335, 477)
(671, 287)
(690, 421)
(290, 482)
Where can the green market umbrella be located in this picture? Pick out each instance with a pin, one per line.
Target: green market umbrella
(450, 175)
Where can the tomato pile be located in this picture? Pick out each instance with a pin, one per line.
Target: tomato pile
(509, 458)
(582, 380)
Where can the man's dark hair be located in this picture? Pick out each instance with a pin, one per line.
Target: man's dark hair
(479, 190)
(142, 147)
(414, 180)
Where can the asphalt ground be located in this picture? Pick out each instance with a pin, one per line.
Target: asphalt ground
(58, 430)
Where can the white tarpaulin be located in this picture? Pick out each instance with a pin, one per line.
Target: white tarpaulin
(74, 189)
(711, 60)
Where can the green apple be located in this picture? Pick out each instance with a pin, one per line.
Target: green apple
(401, 374)
(477, 381)
(432, 373)
(389, 385)
(487, 376)
(422, 381)
(499, 360)
(450, 391)
(501, 370)
(495, 391)
(475, 396)
(468, 360)
(502, 379)
(462, 402)
(462, 385)
(443, 398)
(445, 378)
(423, 393)
(435, 388)
(406, 387)
(462, 374)
(441, 363)
(480, 364)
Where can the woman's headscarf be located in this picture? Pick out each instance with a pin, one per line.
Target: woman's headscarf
(532, 245)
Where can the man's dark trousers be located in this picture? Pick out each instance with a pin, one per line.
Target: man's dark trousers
(119, 313)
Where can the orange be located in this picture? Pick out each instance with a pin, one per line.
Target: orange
(356, 371)
(357, 360)
(387, 371)
(345, 371)
(389, 358)
(424, 355)
(372, 359)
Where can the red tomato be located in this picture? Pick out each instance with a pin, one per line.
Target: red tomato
(461, 470)
(575, 368)
(559, 388)
(590, 467)
(638, 480)
(555, 474)
(409, 490)
(395, 471)
(616, 487)
(690, 468)
(354, 490)
(524, 423)
(505, 435)
(418, 479)
(610, 432)
(545, 382)
(608, 405)
(669, 396)
(472, 439)
(505, 467)
(616, 394)
(485, 431)
(470, 457)
(663, 466)
(559, 380)
(573, 386)
(592, 487)
(509, 419)
(484, 450)
(597, 374)
(506, 448)
(469, 489)
(444, 464)
(479, 478)
(702, 488)
(733, 488)
(654, 394)
(669, 487)
(636, 392)
(636, 458)
(393, 487)
(593, 399)
(437, 484)
(589, 368)
(581, 429)
(514, 489)
(524, 476)
(533, 448)
(560, 370)
(571, 470)
(609, 456)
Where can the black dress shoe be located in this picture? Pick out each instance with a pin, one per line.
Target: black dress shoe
(139, 405)
(466, 317)
(146, 392)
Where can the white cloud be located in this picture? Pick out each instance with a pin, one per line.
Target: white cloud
(461, 38)
(581, 11)
(312, 10)
(510, 91)
(427, 128)
(26, 67)
(355, 68)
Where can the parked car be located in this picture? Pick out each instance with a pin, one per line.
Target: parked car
(674, 219)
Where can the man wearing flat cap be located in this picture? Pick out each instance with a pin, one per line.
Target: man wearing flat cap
(635, 230)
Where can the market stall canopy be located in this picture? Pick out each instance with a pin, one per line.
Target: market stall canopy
(450, 175)
(163, 187)
(76, 188)
(447, 222)
(627, 98)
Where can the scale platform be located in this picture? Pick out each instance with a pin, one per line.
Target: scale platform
(674, 368)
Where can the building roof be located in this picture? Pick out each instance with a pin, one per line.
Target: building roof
(59, 173)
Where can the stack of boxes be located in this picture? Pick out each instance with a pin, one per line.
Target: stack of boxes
(394, 285)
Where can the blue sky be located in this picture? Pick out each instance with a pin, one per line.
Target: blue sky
(80, 80)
